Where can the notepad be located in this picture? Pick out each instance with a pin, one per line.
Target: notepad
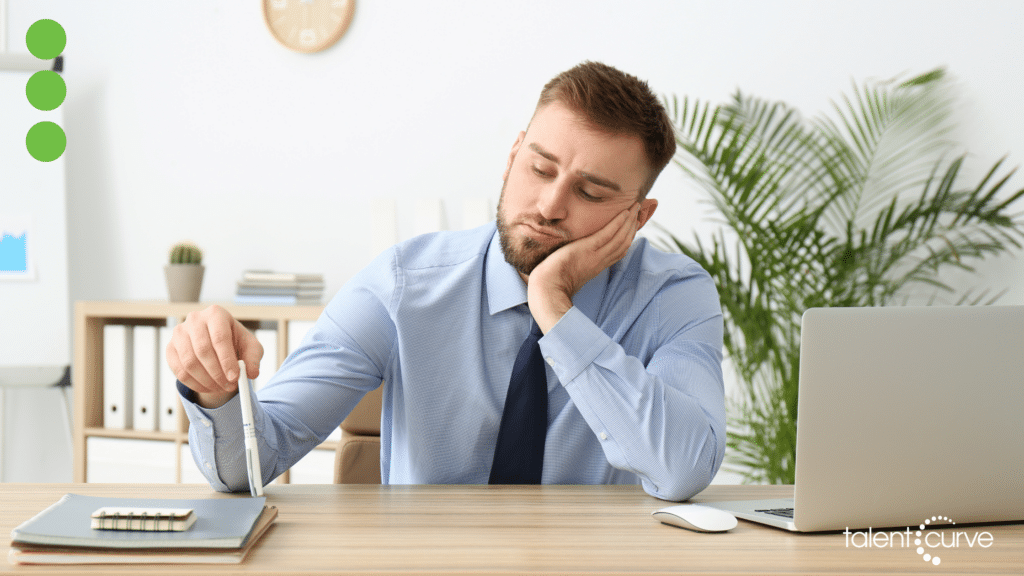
(220, 523)
(144, 519)
(21, 553)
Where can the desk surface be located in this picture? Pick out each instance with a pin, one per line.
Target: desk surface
(517, 530)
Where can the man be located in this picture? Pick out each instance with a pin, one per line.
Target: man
(631, 339)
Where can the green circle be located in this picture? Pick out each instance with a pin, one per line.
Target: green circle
(46, 90)
(46, 39)
(46, 141)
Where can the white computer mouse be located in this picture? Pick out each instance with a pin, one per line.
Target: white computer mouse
(696, 517)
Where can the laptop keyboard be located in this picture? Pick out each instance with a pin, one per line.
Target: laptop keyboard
(784, 512)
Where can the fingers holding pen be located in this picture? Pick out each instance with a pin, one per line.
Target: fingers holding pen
(204, 351)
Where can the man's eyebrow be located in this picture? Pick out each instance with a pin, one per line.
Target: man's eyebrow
(599, 181)
(536, 148)
(592, 178)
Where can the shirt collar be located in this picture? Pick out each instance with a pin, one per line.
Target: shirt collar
(505, 289)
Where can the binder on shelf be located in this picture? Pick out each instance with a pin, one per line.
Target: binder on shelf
(117, 376)
(169, 403)
(144, 378)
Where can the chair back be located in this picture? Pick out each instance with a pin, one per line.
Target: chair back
(357, 457)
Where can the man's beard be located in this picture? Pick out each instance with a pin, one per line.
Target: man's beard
(525, 256)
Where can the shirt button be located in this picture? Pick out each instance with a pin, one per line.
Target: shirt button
(603, 435)
(206, 423)
(550, 361)
(208, 467)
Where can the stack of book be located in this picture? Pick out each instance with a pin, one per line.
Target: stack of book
(269, 288)
(82, 529)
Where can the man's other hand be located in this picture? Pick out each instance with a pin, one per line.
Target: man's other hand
(554, 281)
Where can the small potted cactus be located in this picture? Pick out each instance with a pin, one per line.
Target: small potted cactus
(184, 272)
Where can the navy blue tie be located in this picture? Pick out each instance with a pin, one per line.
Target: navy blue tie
(519, 454)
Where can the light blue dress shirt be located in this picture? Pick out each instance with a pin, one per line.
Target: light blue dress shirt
(634, 372)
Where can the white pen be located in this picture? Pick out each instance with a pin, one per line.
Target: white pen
(252, 453)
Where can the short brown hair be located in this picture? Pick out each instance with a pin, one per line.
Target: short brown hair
(619, 103)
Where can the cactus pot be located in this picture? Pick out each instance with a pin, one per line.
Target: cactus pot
(184, 281)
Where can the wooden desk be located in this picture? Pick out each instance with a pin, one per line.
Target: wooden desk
(515, 530)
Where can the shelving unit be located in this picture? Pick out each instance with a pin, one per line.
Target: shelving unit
(87, 377)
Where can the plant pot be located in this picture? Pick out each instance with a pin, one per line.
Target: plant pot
(184, 281)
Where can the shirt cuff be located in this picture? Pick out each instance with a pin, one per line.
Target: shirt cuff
(229, 414)
(203, 426)
(572, 345)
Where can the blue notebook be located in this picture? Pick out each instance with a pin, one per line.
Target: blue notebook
(220, 523)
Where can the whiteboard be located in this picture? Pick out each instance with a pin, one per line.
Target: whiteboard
(35, 307)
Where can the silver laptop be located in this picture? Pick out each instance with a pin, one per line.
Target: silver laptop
(905, 413)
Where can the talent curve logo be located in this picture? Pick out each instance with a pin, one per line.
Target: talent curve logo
(925, 542)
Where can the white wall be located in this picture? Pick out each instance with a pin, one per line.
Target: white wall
(186, 119)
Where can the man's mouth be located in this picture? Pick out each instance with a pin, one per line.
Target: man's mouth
(543, 233)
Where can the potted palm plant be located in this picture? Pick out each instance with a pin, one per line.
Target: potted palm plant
(184, 272)
(865, 208)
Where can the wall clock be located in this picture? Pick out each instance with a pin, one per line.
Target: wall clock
(308, 25)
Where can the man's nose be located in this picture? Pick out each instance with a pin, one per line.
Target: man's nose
(553, 201)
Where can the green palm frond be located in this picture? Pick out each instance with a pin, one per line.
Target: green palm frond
(863, 208)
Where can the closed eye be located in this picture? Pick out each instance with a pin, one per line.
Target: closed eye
(540, 172)
(579, 188)
(587, 196)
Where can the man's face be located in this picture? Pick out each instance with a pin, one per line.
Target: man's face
(565, 180)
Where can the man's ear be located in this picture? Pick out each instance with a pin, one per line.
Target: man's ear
(647, 208)
(512, 154)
